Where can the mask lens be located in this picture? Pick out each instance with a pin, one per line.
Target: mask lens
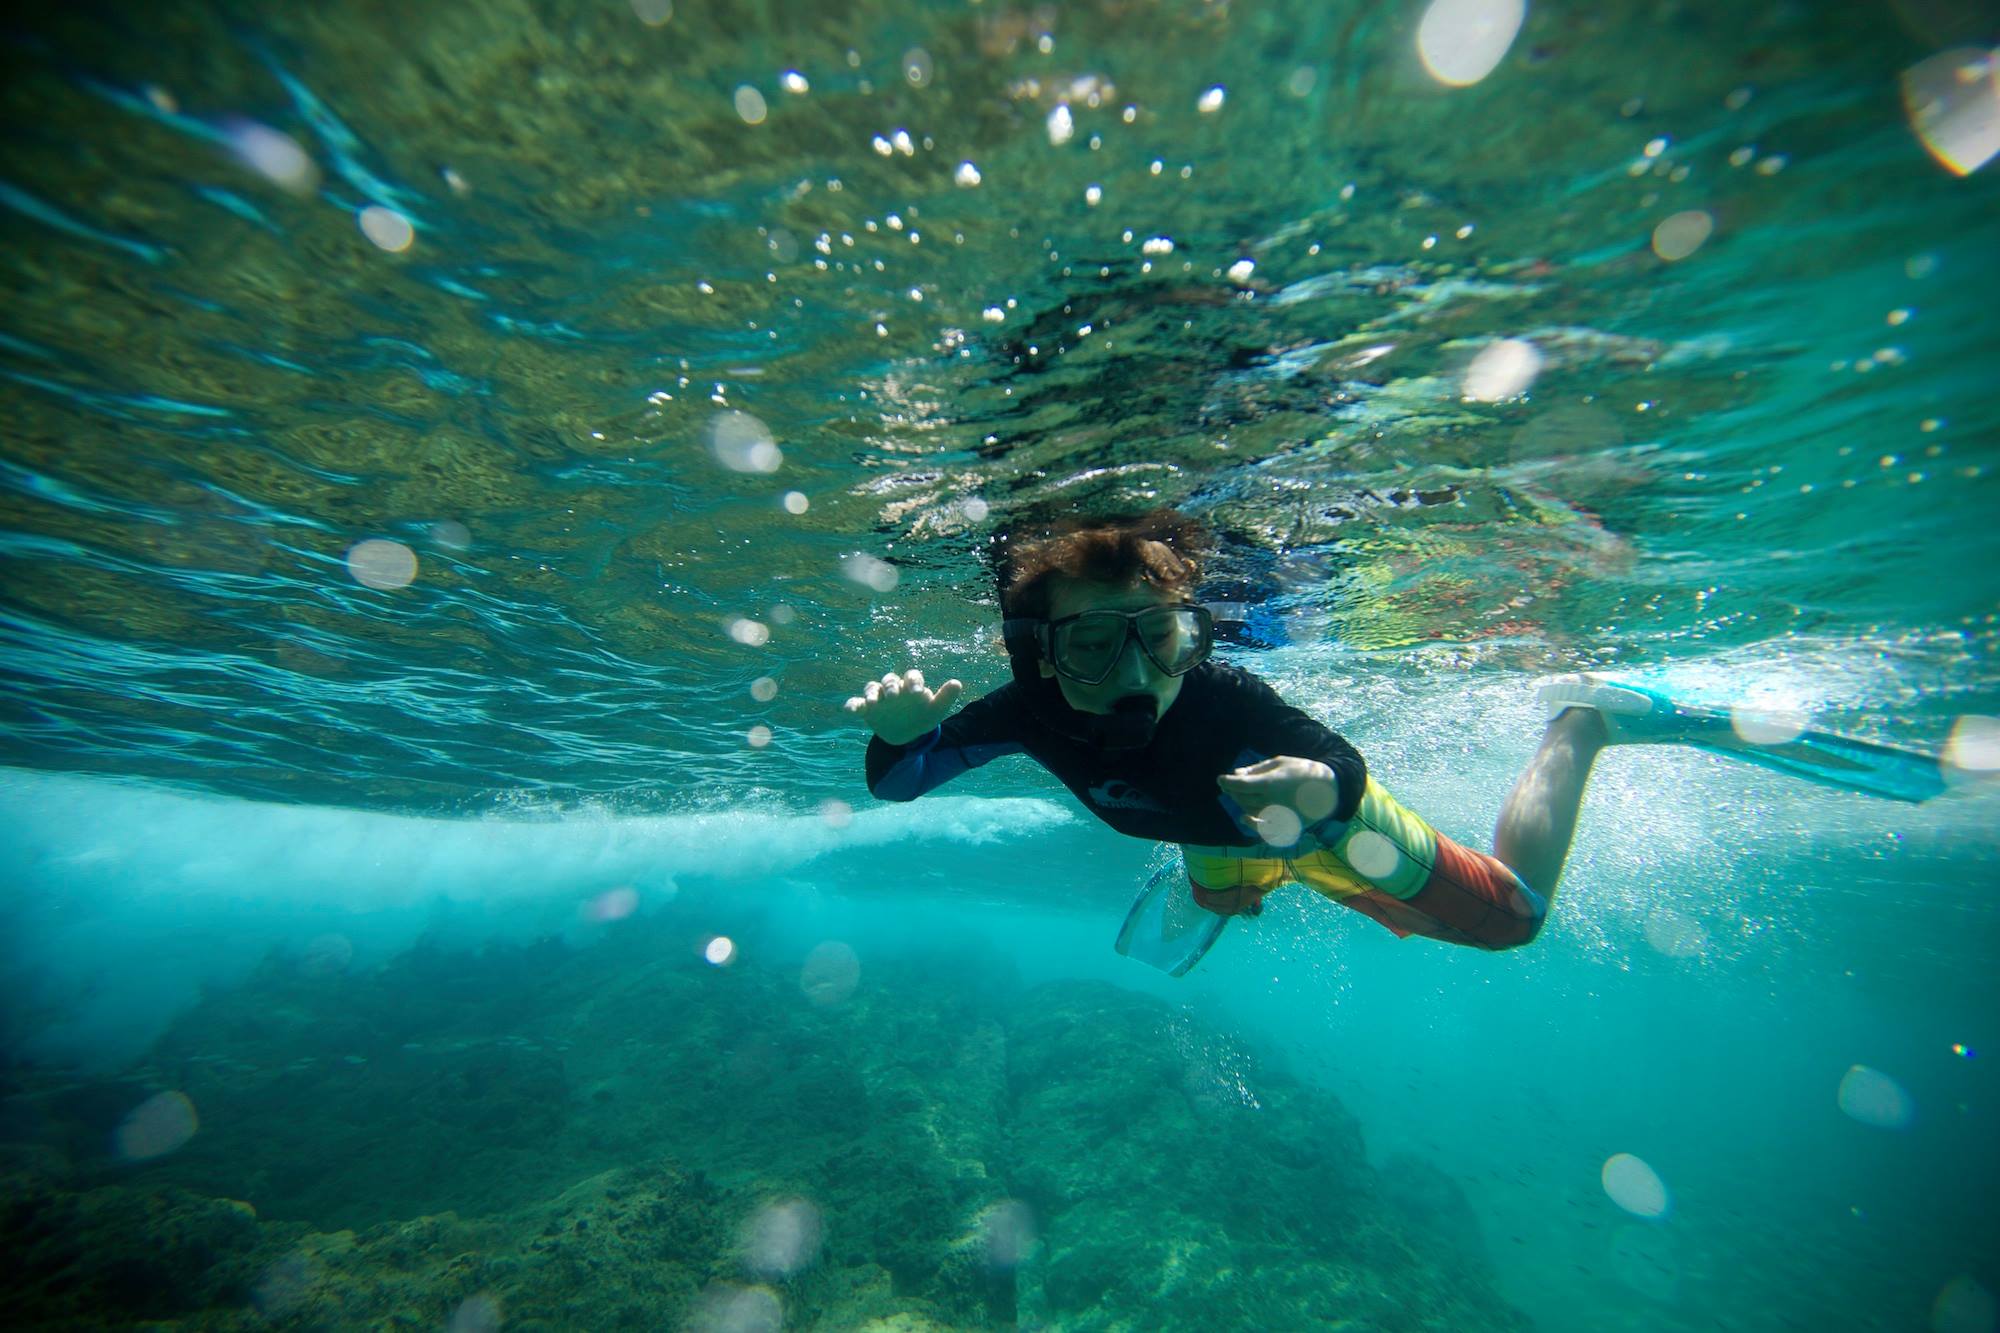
(1176, 638)
(1088, 647)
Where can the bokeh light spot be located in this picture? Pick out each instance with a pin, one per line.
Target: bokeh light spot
(1873, 1098)
(763, 689)
(480, 1312)
(795, 502)
(1373, 855)
(967, 175)
(1767, 726)
(838, 814)
(1953, 102)
(155, 1127)
(1061, 124)
(780, 1239)
(326, 956)
(1634, 1186)
(1675, 935)
(758, 736)
(749, 633)
(653, 13)
(1502, 370)
(830, 974)
(720, 950)
(1007, 1233)
(1462, 41)
(727, 1308)
(284, 1286)
(1211, 100)
(382, 564)
(750, 105)
(870, 572)
(1974, 745)
(1279, 825)
(272, 154)
(742, 443)
(611, 905)
(1316, 800)
(1680, 235)
(387, 228)
(451, 534)
(1963, 1306)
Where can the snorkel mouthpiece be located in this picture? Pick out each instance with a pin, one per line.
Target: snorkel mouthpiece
(1129, 725)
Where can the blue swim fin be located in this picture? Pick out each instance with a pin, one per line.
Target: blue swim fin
(1639, 716)
(1165, 928)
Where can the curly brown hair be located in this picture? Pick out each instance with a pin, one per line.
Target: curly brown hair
(1162, 547)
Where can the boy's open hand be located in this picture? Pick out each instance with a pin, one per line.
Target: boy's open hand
(899, 708)
(1283, 794)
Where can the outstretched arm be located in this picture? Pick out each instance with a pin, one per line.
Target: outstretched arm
(919, 742)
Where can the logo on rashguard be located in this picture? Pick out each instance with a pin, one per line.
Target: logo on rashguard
(1119, 795)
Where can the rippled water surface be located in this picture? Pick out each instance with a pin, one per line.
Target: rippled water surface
(218, 386)
(554, 408)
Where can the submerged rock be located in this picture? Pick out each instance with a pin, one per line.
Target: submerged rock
(626, 1137)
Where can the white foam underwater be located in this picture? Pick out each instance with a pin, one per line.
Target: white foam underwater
(120, 902)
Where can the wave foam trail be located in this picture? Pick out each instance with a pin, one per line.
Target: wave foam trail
(121, 902)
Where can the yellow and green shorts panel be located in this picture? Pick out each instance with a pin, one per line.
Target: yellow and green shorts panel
(1391, 865)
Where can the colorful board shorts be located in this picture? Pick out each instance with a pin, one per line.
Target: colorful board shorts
(1390, 865)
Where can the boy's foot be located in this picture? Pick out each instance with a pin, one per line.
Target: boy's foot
(1634, 715)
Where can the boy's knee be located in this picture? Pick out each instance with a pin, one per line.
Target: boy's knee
(1530, 912)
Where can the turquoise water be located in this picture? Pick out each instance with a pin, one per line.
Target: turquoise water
(457, 462)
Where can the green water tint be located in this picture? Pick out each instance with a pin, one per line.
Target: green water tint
(631, 1138)
(197, 442)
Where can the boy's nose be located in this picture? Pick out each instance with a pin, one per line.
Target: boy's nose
(1133, 668)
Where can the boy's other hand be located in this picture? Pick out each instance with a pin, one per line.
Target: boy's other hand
(899, 709)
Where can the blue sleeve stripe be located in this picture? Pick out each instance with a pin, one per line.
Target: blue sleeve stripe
(924, 767)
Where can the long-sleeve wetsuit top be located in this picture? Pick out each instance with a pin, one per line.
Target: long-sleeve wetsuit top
(1223, 719)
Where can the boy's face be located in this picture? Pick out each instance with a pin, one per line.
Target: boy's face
(1135, 672)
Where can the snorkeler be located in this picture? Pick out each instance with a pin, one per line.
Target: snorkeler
(1115, 694)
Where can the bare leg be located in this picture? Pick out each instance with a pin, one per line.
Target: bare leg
(1539, 818)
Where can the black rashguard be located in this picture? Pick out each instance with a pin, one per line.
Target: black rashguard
(1223, 719)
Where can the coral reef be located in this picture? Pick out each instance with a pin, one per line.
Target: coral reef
(625, 1136)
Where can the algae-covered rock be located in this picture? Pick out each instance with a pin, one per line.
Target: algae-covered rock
(115, 1254)
(628, 1137)
(1179, 1184)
